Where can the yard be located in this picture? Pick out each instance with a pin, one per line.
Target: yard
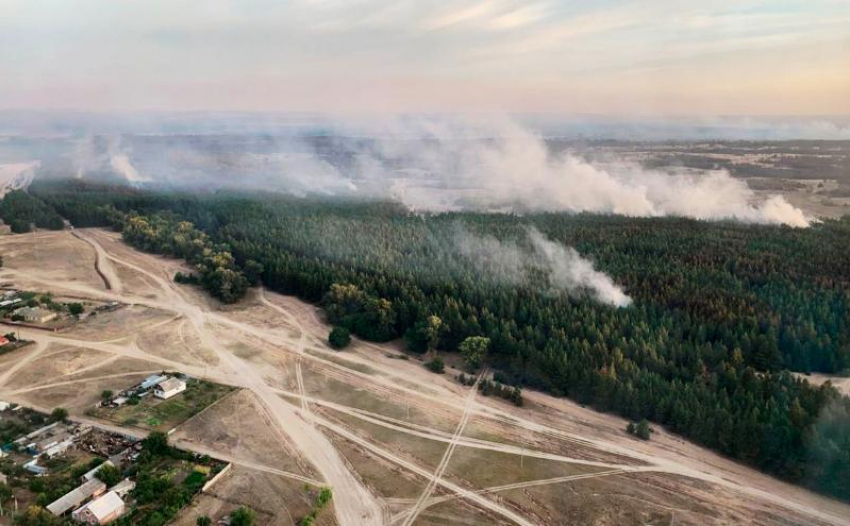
(162, 415)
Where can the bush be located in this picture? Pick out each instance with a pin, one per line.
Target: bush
(75, 308)
(642, 430)
(203, 520)
(436, 365)
(242, 517)
(339, 337)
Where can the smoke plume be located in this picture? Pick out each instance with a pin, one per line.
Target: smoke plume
(562, 267)
(431, 164)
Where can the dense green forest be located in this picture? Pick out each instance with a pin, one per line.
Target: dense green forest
(722, 310)
(20, 211)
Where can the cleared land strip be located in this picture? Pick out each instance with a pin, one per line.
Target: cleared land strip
(519, 485)
(444, 462)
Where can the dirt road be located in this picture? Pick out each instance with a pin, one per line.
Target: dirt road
(368, 368)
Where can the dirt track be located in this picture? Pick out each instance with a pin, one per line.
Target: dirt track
(368, 369)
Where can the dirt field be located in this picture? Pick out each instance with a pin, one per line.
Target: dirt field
(397, 444)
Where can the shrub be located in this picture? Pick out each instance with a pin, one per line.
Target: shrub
(339, 337)
(436, 365)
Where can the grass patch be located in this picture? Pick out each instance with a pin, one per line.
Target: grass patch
(162, 415)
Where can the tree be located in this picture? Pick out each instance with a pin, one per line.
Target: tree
(242, 517)
(436, 365)
(642, 429)
(37, 516)
(203, 520)
(339, 337)
(156, 443)
(106, 394)
(630, 428)
(109, 475)
(253, 272)
(474, 349)
(424, 334)
(75, 309)
(59, 414)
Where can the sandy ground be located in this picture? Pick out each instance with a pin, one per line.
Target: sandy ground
(396, 443)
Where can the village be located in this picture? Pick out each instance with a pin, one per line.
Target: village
(54, 470)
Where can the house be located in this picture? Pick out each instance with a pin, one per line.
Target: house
(3, 341)
(76, 497)
(34, 314)
(9, 302)
(102, 510)
(168, 388)
(3, 479)
(4, 405)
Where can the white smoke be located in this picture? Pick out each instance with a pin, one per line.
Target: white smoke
(121, 163)
(442, 164)
(513, 169)
(563, 267)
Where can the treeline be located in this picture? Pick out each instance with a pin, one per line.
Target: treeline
(21, 211)
(163, 233)
(721, 311)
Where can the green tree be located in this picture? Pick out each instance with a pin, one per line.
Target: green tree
(59, 414)
(473, 350)
(75, 309)
(203, 520)
(642, 429)
(37, 516)
(109, 475)
(156, 443)
(436, 365)
(339, 337)
(424, 335)
(242, 517)
(106, 394)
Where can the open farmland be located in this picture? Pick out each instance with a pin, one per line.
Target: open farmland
(396, 443)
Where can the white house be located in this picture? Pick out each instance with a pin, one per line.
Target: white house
(168, 388)
(102, 510)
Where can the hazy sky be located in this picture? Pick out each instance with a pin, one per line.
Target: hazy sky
(705, 57)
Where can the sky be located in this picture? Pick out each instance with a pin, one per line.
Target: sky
(652, 57)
